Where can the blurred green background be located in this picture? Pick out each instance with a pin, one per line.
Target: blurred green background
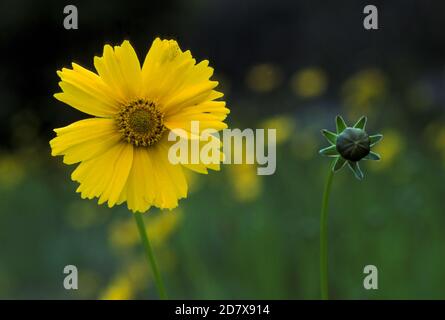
(289, 65)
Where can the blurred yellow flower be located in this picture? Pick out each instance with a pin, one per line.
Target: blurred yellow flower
(284, 125)
(362, 91)
(123, 149)
(309, 82)
(246, 184)
(435, 136)
(124, 234)
(119, 289)
(264, 78)
(11, 171)
(440, 139)
(132, 279)
(389, 148)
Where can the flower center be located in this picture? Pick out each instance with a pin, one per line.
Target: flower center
(141, 123)
(353, 144)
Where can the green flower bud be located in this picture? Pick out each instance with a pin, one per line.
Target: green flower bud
(349, 145)
(353, 144)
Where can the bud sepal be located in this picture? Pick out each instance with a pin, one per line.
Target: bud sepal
(350, 145)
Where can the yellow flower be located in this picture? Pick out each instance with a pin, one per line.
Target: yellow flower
(283, 124)
(309, 83)
(390, 149)
(246, 184)
(11, 171)
(123, 150)
(120, 289)
(364, 91)
(264, 78)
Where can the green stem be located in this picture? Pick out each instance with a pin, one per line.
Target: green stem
(324, 238)
(150, 256)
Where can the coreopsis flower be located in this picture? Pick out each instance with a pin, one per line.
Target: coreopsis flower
(350, 145)
(122, 150)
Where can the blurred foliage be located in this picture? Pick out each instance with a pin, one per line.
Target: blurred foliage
(292, 66)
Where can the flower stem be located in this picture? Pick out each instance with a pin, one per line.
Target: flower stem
(150, 256)
(324, 237)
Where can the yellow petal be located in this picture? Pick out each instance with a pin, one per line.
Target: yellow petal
(121, 170)
(105, 176)
(200, 166)
(209, 114)
(172, 79)
(85, 139)
(164, 69)
(85, 96)
(130, 67)
(120, 70)
(189, 96)
(170, 178)
(215, 108)
(153, 181)
(197, 87)
(141, 184)
(204, 123)
(93, 86)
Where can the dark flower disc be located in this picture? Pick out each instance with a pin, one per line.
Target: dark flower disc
(353, 144)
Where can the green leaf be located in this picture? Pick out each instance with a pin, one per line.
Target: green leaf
(375, 139)
(339, 163)
(372, 156)
(330, 151)
(332, 137)
(361, 123)
(356, 169)
(340, 123)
